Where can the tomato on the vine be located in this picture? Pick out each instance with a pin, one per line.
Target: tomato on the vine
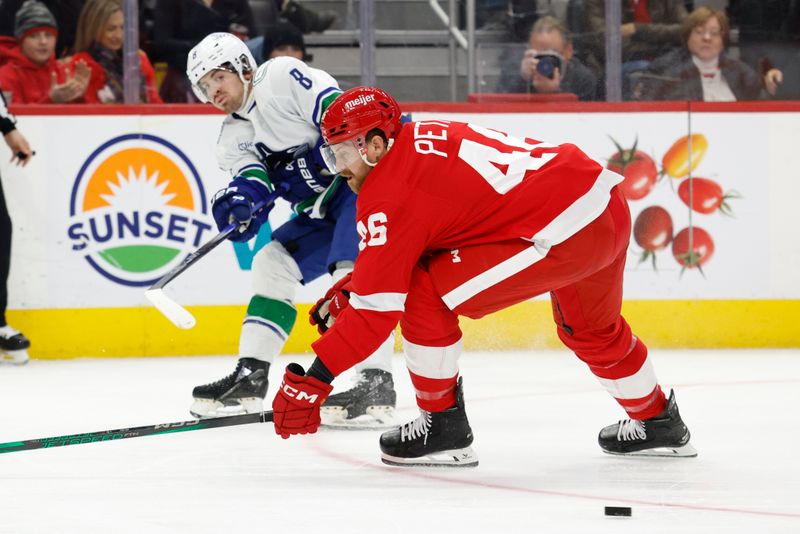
(702, 247)
(638, 169)
(706, 195)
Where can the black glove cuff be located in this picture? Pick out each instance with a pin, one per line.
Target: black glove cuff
(6, 125)
(320, 372)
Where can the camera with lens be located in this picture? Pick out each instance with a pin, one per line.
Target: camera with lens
(547, 64)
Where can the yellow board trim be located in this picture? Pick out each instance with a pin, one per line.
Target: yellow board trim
(120, 332)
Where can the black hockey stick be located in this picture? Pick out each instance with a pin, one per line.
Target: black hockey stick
(138, 432)
(177, 314)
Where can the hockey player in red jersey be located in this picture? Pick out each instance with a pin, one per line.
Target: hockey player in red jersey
(458, 219)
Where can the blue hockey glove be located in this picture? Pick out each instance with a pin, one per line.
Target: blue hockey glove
(236, 202)
(303, 173)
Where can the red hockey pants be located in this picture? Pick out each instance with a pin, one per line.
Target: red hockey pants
(584, 278)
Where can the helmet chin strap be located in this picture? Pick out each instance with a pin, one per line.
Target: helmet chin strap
(247, 94)
(364, 155)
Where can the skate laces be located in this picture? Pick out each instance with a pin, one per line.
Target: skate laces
(416, 428)
(631, 429)
(228, 381)
(366, 383)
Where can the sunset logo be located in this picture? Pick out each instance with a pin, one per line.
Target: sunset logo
(137, 209)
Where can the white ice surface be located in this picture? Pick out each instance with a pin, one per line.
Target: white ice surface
(535, 417)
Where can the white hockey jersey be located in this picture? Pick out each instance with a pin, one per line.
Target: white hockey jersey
(281, 117)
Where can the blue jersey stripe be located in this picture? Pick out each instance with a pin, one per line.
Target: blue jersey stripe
(318, 103)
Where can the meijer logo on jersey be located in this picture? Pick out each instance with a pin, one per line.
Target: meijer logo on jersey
(360, 101)
(137, 208)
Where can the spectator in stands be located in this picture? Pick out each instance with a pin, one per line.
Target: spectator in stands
(304, 19)
(30, 72)
(66, 13)
(279, 39)
(769, 41)
(702, 70)
(650, 28)
(98, 42)
(548, 65)
(181, 24)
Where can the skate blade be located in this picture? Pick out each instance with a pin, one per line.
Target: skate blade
(14, 357)
(208, 409)
(686, 451)
(376, 418)
(454, 458)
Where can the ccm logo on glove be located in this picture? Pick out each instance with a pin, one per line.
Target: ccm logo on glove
(300, 395)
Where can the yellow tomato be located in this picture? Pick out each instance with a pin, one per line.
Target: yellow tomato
(684, 155)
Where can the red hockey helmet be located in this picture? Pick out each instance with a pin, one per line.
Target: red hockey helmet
(357, 111)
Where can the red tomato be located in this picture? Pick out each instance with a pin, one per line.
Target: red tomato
(653, 228)
(652, 231)
(702, 247)
(639, 170)
(707, 196)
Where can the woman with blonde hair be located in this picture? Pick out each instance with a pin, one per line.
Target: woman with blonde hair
(98, 42)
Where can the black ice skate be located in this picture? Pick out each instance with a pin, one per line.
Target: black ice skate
(242, 391)
(13, 346)
(663, 435)
(436, 439)
(367, 405)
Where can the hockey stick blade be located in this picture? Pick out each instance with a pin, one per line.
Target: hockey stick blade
(137, 432)
(177, 314)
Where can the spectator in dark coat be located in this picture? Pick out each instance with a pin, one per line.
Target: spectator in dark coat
(769, 41)
(649, 27)
(702, 70)
(279, 39)
(537, 71)
(181, 24)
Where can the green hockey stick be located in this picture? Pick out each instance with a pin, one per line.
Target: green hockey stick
(137, 432)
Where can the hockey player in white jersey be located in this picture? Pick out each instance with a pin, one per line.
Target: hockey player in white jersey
(270, 140)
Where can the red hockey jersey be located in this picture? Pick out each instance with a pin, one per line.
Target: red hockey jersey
(445, 185)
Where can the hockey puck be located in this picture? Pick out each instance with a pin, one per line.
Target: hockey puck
(618, 511)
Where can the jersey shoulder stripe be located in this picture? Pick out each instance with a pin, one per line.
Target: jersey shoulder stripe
(324, 99)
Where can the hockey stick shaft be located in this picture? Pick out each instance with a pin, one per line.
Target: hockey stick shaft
(192, 258)
(137, 432)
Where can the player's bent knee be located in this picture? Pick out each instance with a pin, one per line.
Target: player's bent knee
(275, 273)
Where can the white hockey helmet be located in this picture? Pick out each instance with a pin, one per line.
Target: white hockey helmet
(218, 51)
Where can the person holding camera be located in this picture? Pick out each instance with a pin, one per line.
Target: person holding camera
(548, 65)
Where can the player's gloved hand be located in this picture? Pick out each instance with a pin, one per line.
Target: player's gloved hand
(327, 309)
(295, 408)
(236, 203)
(304, 169)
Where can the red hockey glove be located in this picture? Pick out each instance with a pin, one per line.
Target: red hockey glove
(328, 308)
(296, 406)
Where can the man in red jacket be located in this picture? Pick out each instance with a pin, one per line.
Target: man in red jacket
(458, 219)
(30, 72)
